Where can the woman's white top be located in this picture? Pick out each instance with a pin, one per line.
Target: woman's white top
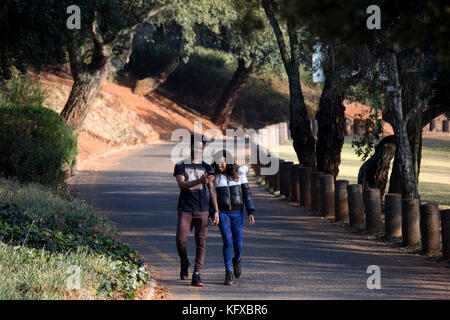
(223, 181)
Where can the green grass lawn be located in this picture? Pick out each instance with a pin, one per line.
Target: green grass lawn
(434, 179)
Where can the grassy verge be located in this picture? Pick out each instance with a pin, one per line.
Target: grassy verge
(44, 239)
(434, 179)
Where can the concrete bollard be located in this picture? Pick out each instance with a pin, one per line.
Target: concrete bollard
(410, 222)
(393, 215)
(285, 180)
(445, 126)
(429, 229)
(305, 186)
(316, 203)
(327, 195)
(295, 194)
(355, 205)
(372, 206)
(341, 200)
(445, 222)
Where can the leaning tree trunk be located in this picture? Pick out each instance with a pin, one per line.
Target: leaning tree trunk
(107, 56)
(150, 84)
(84, 89)
(374, 172)
(331, 122)
(227, 101)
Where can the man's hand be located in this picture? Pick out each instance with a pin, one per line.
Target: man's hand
(216, 219)
(206, 178)
(251, 219)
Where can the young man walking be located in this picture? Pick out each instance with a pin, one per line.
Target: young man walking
(195, 180)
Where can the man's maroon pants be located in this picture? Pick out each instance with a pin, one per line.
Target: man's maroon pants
(186, 222)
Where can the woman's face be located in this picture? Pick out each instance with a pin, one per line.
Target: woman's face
(221, 165)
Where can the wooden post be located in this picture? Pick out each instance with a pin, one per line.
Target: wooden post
(429, 229)
(341, 200)
(445, 222)
(355, 205)
(327, 195)
(316, 203)
(393, 215)
(305, 186)
(372, 206)
(410, 221)
(295, 196)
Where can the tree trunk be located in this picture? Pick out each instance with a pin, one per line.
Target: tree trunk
(414, 121)
(227, 101)
(148, 85)
(331, 122)
(374, 173)
(107, 56)
(84, 90)
(404, 151)
(415, 141)
(303, 139)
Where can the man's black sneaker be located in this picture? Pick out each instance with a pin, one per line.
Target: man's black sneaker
(237, 268)
(184, 273)
(228, 278)
(196, 281)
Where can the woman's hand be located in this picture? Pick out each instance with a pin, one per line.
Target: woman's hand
(251, 219)
(216, 219)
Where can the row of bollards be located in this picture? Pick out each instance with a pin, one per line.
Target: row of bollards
(362, 209)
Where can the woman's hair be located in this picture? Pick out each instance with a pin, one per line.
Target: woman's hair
(231, 169)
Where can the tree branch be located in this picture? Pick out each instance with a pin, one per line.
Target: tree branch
(278, 33)
(140, 20)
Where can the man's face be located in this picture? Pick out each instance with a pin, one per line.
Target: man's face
(197, 150)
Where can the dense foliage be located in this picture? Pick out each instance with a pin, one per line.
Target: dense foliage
(36, 144)
(34, 217)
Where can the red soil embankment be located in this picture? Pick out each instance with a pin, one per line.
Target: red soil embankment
(119, 118)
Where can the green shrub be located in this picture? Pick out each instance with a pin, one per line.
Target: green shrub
(36, 145)
(22, 90)
(35, 218)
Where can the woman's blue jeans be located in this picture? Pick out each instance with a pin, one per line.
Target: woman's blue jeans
(231, 223)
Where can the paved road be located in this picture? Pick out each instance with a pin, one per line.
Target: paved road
(288, 253)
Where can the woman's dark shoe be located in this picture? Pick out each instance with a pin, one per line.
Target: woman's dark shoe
(228, 278)
(196, 281)
(184, 272)
(237, 268)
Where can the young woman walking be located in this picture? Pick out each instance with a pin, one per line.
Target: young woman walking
(233, 193)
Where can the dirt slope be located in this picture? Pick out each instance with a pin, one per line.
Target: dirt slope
(119, 118)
